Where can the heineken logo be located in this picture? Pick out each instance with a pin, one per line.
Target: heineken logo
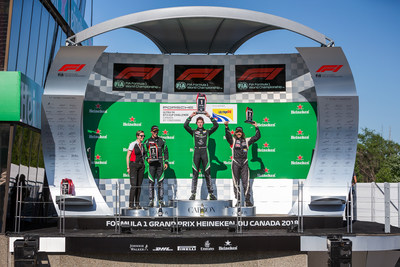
(97, 109)
(267, 174)
(131, 122)
(166, 136)
(98, 161)
(96, 134)
(300, 161)
(300, 136)
(299, 110)
(266, 148)
(266, 123)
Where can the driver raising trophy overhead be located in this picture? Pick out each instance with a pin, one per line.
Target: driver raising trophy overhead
(200, 154)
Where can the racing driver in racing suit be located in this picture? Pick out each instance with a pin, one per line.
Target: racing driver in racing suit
(240, 166)
(200, 138)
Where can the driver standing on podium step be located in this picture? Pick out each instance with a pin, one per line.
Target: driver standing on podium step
(240, 165)
(156, 166)
(200, 138)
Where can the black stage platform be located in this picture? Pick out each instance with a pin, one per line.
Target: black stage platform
(88, 235)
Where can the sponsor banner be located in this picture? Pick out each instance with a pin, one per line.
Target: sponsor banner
(200, 223)
(137, 77)
(199, 78)
(260, 78)
(178, 113)
(178, 243)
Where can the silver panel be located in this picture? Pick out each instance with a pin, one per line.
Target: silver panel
(202, 208)
(243, 211)
(62, 133)
(134, 212)
(199, 29)
(332, 166)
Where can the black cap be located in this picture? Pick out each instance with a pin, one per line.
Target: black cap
(154, 127)
(239, 129)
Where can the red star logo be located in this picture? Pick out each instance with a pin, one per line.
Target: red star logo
(266, 119)
(98, 131)
(132, 119)
(266, 170)
(98, 156)
(98, 106)
(232, 132)
(165, 132)
(300, 107)
(300, 132)
(266, 144)
(300, 157)
(231, 157)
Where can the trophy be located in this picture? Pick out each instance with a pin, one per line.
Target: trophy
(249, 116)
(153, 152)
(201, 101)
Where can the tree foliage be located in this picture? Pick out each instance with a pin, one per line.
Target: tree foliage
(378, 160)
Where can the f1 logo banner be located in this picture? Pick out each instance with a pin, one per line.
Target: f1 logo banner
(260, 78)
(75, 67)
(137, 77)
(199, 78)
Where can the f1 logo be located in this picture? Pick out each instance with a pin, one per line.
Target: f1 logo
(145, 73)
(267, 73)
(333, 68)
(205, 74)
(76, 67)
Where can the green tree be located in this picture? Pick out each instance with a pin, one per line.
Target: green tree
(378, 160)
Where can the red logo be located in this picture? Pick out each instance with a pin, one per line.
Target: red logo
(266, 170)
(76, 67)
(165, 132)
(132, 119)
(266, 119)
(98, 156)
(300, 157)
(299, 132)
(267, 73)
(205, 74)
(98, 106)
(266, 144)
(300, 107)
(145, 73)
(333, 68)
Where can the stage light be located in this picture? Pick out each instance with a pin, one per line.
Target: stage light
(340, 251)
(25, 251)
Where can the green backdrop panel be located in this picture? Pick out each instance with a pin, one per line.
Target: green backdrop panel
(288, 134)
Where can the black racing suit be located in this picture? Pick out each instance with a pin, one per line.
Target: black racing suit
(200, 139)
(240, 165)
(156, 168)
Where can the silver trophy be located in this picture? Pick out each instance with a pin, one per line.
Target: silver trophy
(249, 116)
(153, 152)
(201, 101)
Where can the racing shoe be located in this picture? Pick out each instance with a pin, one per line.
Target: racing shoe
(248, 203)
(212, 197)
(151, 204)
(192, 197)
(161, 203)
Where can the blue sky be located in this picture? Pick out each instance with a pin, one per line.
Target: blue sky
(367, 30)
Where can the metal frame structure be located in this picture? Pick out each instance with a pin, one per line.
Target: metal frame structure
(177, 29)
